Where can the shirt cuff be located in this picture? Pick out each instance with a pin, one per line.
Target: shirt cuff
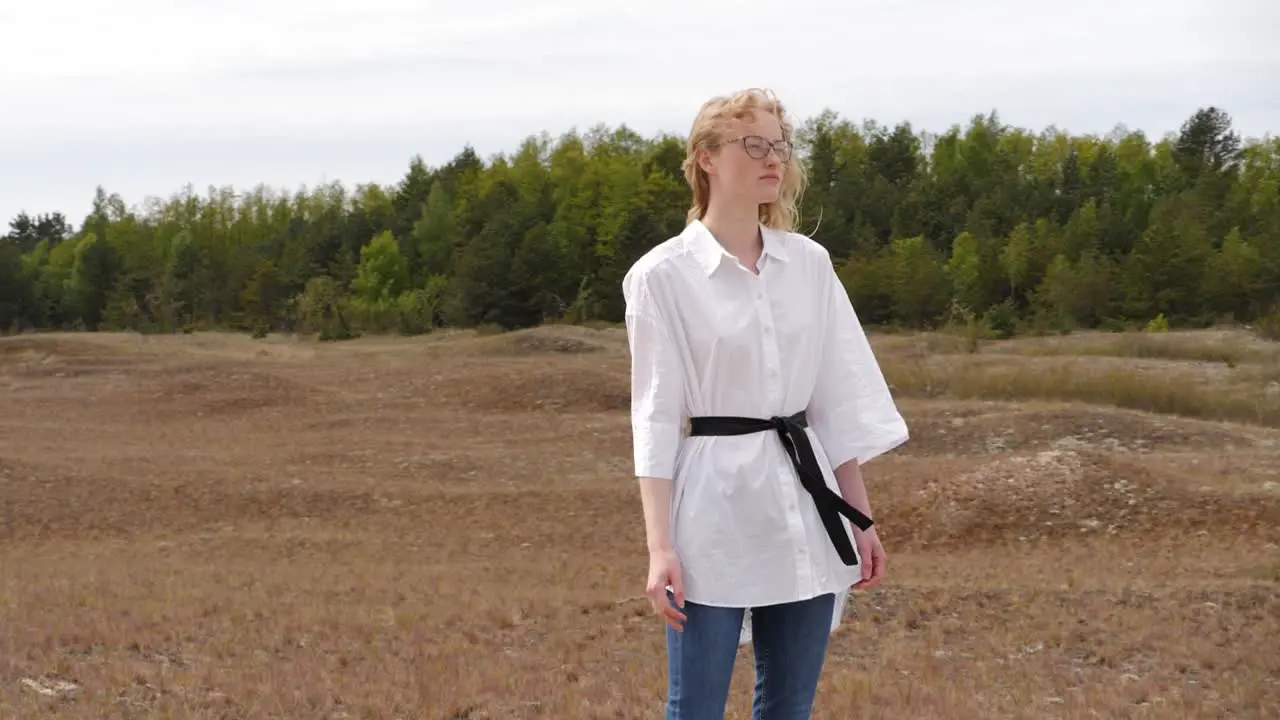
(655, 445)
(863, 435)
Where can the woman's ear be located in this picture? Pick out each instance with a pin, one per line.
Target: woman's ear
(705, 161)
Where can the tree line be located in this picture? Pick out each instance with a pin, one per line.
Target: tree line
(1015, 229)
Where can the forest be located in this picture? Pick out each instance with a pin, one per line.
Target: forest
(1009, 229)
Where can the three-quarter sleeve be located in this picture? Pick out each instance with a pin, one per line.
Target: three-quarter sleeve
(852, 412)
(657, 382)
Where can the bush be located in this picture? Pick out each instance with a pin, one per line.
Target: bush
(1002, 320)
(1268, 327)
(320, 309)
(415, 312)
(962, 323)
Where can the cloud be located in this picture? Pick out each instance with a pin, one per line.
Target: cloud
(138, 93)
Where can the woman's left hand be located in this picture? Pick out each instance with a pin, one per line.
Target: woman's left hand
(871, 552)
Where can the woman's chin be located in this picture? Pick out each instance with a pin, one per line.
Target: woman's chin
(767, 196)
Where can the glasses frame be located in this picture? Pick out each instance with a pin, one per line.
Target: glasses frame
(781, 148)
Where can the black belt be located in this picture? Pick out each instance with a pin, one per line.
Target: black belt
(791, 430)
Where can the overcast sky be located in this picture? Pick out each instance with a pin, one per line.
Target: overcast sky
(144, 96)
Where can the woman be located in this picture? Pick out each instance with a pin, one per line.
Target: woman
(755, 398)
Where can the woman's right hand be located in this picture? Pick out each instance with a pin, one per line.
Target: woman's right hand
(664, 570)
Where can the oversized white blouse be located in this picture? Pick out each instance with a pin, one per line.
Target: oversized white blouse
(709, 337)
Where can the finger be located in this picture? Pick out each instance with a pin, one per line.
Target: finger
(677, 586)
(877, 570)
(661, 602)
(670, 610)
(674, 617)
(657, 596)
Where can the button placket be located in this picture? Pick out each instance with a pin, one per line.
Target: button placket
(774, 395)
(769, 343)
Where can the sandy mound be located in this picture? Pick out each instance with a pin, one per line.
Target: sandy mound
(1066, 428)
(18, 347)
(203, 391)
(1066, 492)
(567, 386)
(58, 356)
(544, 340)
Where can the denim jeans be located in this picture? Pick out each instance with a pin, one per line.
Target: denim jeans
(790, 644)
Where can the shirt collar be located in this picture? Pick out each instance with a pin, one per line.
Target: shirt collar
(709, 252)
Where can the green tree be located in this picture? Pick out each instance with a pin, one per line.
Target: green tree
(383, 274)
(1024, 227)
(920, 288)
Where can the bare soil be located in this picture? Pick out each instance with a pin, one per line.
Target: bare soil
(445, 527)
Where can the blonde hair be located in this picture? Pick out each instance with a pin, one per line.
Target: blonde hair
(709, 131)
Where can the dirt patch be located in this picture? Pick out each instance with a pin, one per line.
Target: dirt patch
(217, 390)
(408, 527)
(1071, 492)
(48, 346)
(46, 502)
(517, 386)
(59, 357)
(1067, 428)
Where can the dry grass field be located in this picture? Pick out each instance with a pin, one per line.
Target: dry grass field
(445, 527)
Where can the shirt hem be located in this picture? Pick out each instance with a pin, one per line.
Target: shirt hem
(867, 453)
(835, 587)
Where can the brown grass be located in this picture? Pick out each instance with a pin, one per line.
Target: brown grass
(1229, 347)
(445, 527)
(1139, 372)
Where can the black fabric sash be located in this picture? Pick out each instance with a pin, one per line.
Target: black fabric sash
(796, 442)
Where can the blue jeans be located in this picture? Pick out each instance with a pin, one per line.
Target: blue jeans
(790, 643)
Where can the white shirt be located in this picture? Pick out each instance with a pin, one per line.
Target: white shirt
(710, 337)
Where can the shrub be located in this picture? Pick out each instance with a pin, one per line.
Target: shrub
(1268, 327)
(1002, 320)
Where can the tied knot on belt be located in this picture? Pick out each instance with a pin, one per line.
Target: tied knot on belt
(791, 431)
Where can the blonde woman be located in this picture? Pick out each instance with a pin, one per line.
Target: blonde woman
(755, 399)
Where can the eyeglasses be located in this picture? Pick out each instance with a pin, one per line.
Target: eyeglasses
(758, 147)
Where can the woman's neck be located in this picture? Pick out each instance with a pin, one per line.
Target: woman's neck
(737, 229)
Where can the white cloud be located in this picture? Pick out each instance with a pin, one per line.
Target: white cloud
(146, 95)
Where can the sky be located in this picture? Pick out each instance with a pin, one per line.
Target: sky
(146, 96)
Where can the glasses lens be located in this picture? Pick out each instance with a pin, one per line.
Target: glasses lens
(758, 148)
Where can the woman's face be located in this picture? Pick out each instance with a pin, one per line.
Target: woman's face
(746, 167)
